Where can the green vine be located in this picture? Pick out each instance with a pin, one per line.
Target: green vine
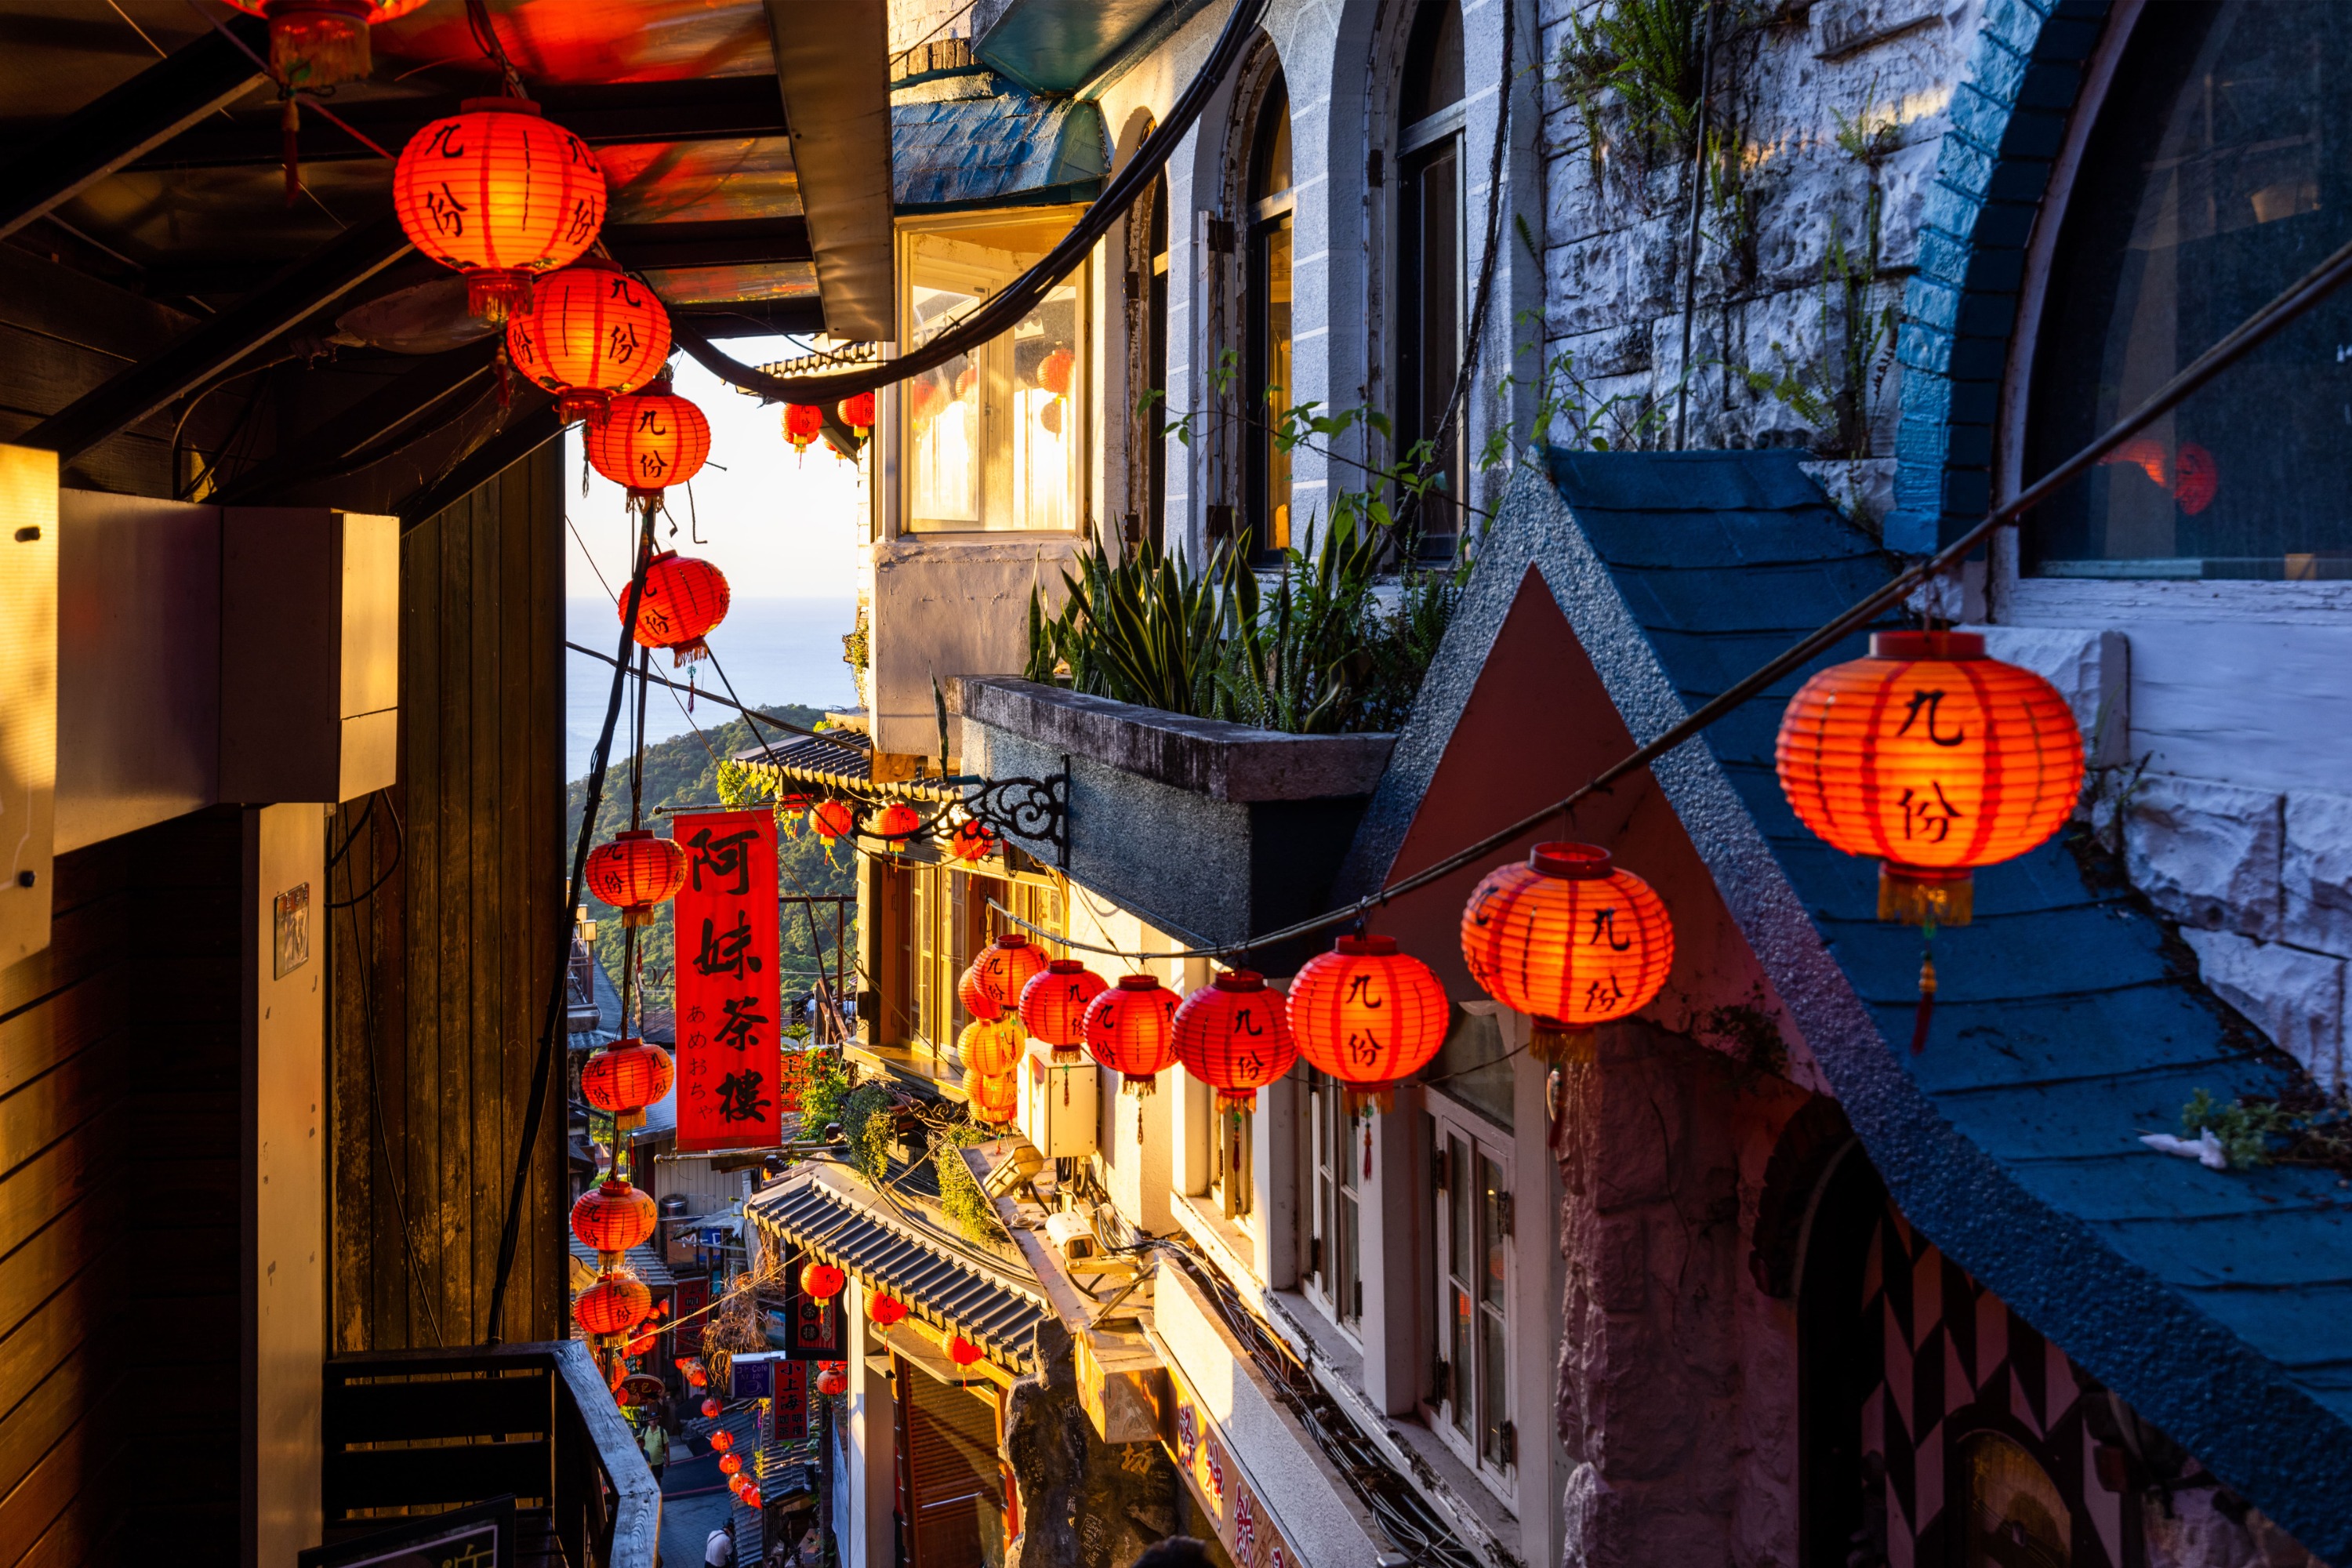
(961, 1198)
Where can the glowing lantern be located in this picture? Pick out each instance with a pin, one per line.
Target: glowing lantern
(711, 1407)
(1569, 939)
(683, 601)
(821, 1282)
(318, 43)
(991, 1048)
(736, 1484)
(1131, 1029)
(803, 422)
(884, 1310)
(976, 1000)
(899, 821)
(617, 1303)
(751, 1495)
(696, 1377)
(590, 332)
(1054, 1005)
(1054, 372)
(722, 1440)
(1368, 1015)
(730, 1463)
(1235, 1037)
(925, 395)
(963, 1351)
(834, 819)
(971, 842)
(649, 441)
(1005, 967)
(626, 1077)
(830, 1380)
(635, 872)
(1933, 758)
(613, 1216)
(995, 1098)
(857, 413)
(499, 195)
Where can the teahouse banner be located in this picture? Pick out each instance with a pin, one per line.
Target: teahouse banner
(728, 1060)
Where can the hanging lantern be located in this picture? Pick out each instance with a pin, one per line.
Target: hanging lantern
(590, 332)
(501, 196)
(834, 819)
(683, 601)
(996, 1098)
(317, 44)
(971, 842)
(1054, 372)
(636, 871)
(991, 1048)
(1569, 939)
(963, 1351)
(803, 423)
(613, 1216)
(830, 1382)
(650, 440)
(925, 395)
(617, 1303)
(730, 1463)
(721, 1441)
(1232, 1034)
(711, 1407)
(1054, 1005)
(750, 1495)
(975, 999)
(1005, 967)
(789, 809)
(821, 1282)
(698, 1376)
(1936, 760)
(626, 1077)
(736, 1484)
(1131, 1029)
(857, 413)
(898, 822)
(884, 1310)
(1368, 1015)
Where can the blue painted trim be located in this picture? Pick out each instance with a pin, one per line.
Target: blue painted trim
(2008, 117)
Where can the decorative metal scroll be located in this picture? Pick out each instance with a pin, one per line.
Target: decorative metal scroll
(1033, 809)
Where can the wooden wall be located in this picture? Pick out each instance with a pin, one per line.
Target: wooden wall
(463, 938)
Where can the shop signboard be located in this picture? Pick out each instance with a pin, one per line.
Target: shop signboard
(728, 1056)
(1245, 1526)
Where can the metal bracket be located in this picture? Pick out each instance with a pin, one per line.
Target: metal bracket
(1034, 809)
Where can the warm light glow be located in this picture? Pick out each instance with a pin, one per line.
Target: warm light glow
(1233, 1035)
(1569, 940)
(635, 870)
(683, 602)
(613, 1216)
(990, 1047)
(649, 441)
(1005, 967)
(499, 193)
(1131, 1028)
(1054, 1005)
(626, 1077)
(590, 332)
(617, 1303)
(1368, 1015)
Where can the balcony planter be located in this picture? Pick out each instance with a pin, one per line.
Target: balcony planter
(1209, 831)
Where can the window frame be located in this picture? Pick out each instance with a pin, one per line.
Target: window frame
(1265, 221)
(1328, 1138)
(1452, 1126)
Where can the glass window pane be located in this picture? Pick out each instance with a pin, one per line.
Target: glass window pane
(1459, 1356)
(1457, 1165)
(1491, 1232)
(1492, 1388)
(1277, 382)
(943, 418)
(1045, 411)
(1350, 1274)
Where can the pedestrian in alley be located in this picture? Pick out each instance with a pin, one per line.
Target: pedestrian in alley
(718, 1551)
(656, 1442)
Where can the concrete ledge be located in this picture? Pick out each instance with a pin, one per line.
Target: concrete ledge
(1203, 756)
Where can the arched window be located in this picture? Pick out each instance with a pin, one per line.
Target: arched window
(1266, 356)
(2207, 185)
(1157, 369)
(1429, 259)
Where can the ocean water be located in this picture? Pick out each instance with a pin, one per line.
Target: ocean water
(775, 650)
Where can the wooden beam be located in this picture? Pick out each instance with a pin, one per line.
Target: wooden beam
(410, 402)
(526, 430)
(310, 284)
(68, 157)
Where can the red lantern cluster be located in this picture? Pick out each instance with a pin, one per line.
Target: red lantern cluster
(617, 1303)
(1131, 1028)
(1233, 1035)
(626, 1077)
(613, 1216)
(649, 441)
(1005, 967)
(1368, 1015)
(991, 1048)
(994, 1100)
(684, 599)
(975, 999)
(635, 872)
(821, 1282)
(750, 1495)
(1054, 1005)
(590, 332)
(883, 1312)
(1569, 940)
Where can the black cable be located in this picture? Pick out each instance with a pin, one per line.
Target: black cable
(400, 848)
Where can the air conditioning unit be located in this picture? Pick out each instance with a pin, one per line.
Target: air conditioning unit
(1058, 1103)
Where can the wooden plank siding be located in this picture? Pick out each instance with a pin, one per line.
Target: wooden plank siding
(463, 936)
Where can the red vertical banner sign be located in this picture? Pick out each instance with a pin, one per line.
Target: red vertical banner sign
(728, 1061)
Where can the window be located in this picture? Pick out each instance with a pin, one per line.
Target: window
(1155, 447)
(1336, 1141)
(1474, 1216)
(948, 921)
(994, 440)
(2211, 180)
(1429, 264)
(1266, 359)
(1230, 1154)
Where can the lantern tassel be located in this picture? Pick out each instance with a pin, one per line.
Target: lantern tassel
(1927, 1002)
(289, 123)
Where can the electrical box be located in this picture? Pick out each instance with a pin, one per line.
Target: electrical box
(1058, 1103)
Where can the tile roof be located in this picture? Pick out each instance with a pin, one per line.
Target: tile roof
(1002, 150)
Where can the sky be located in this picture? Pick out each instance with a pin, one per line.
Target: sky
(778, 524)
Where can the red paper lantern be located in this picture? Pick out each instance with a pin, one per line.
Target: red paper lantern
(750, 1495)
(898, 822)
(635, 872)
(963, 1351)
(697, 1377)
(730, 1463)
(1933, 758)
(617, 1303)
(821, 1282)
(1368, 1015)
(834, 819)
(613, 1216)
(925, 395)
(315, 44)
(683, 602)
(1054, 1005)
(857, 413)
(721, 1441)
(711, 1407)
(736, 1483)
(884, 1310)
(650, 440)
(1570, 941)
(1131, 1029)
(1234, 1036)
(1005, 967)
(626, 1077)
(1054, 372)
(971, 842)
(590, 332)
(991, 1048)
(803, 422)
(832, 1380)
(975, 999)
(994, 1100)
